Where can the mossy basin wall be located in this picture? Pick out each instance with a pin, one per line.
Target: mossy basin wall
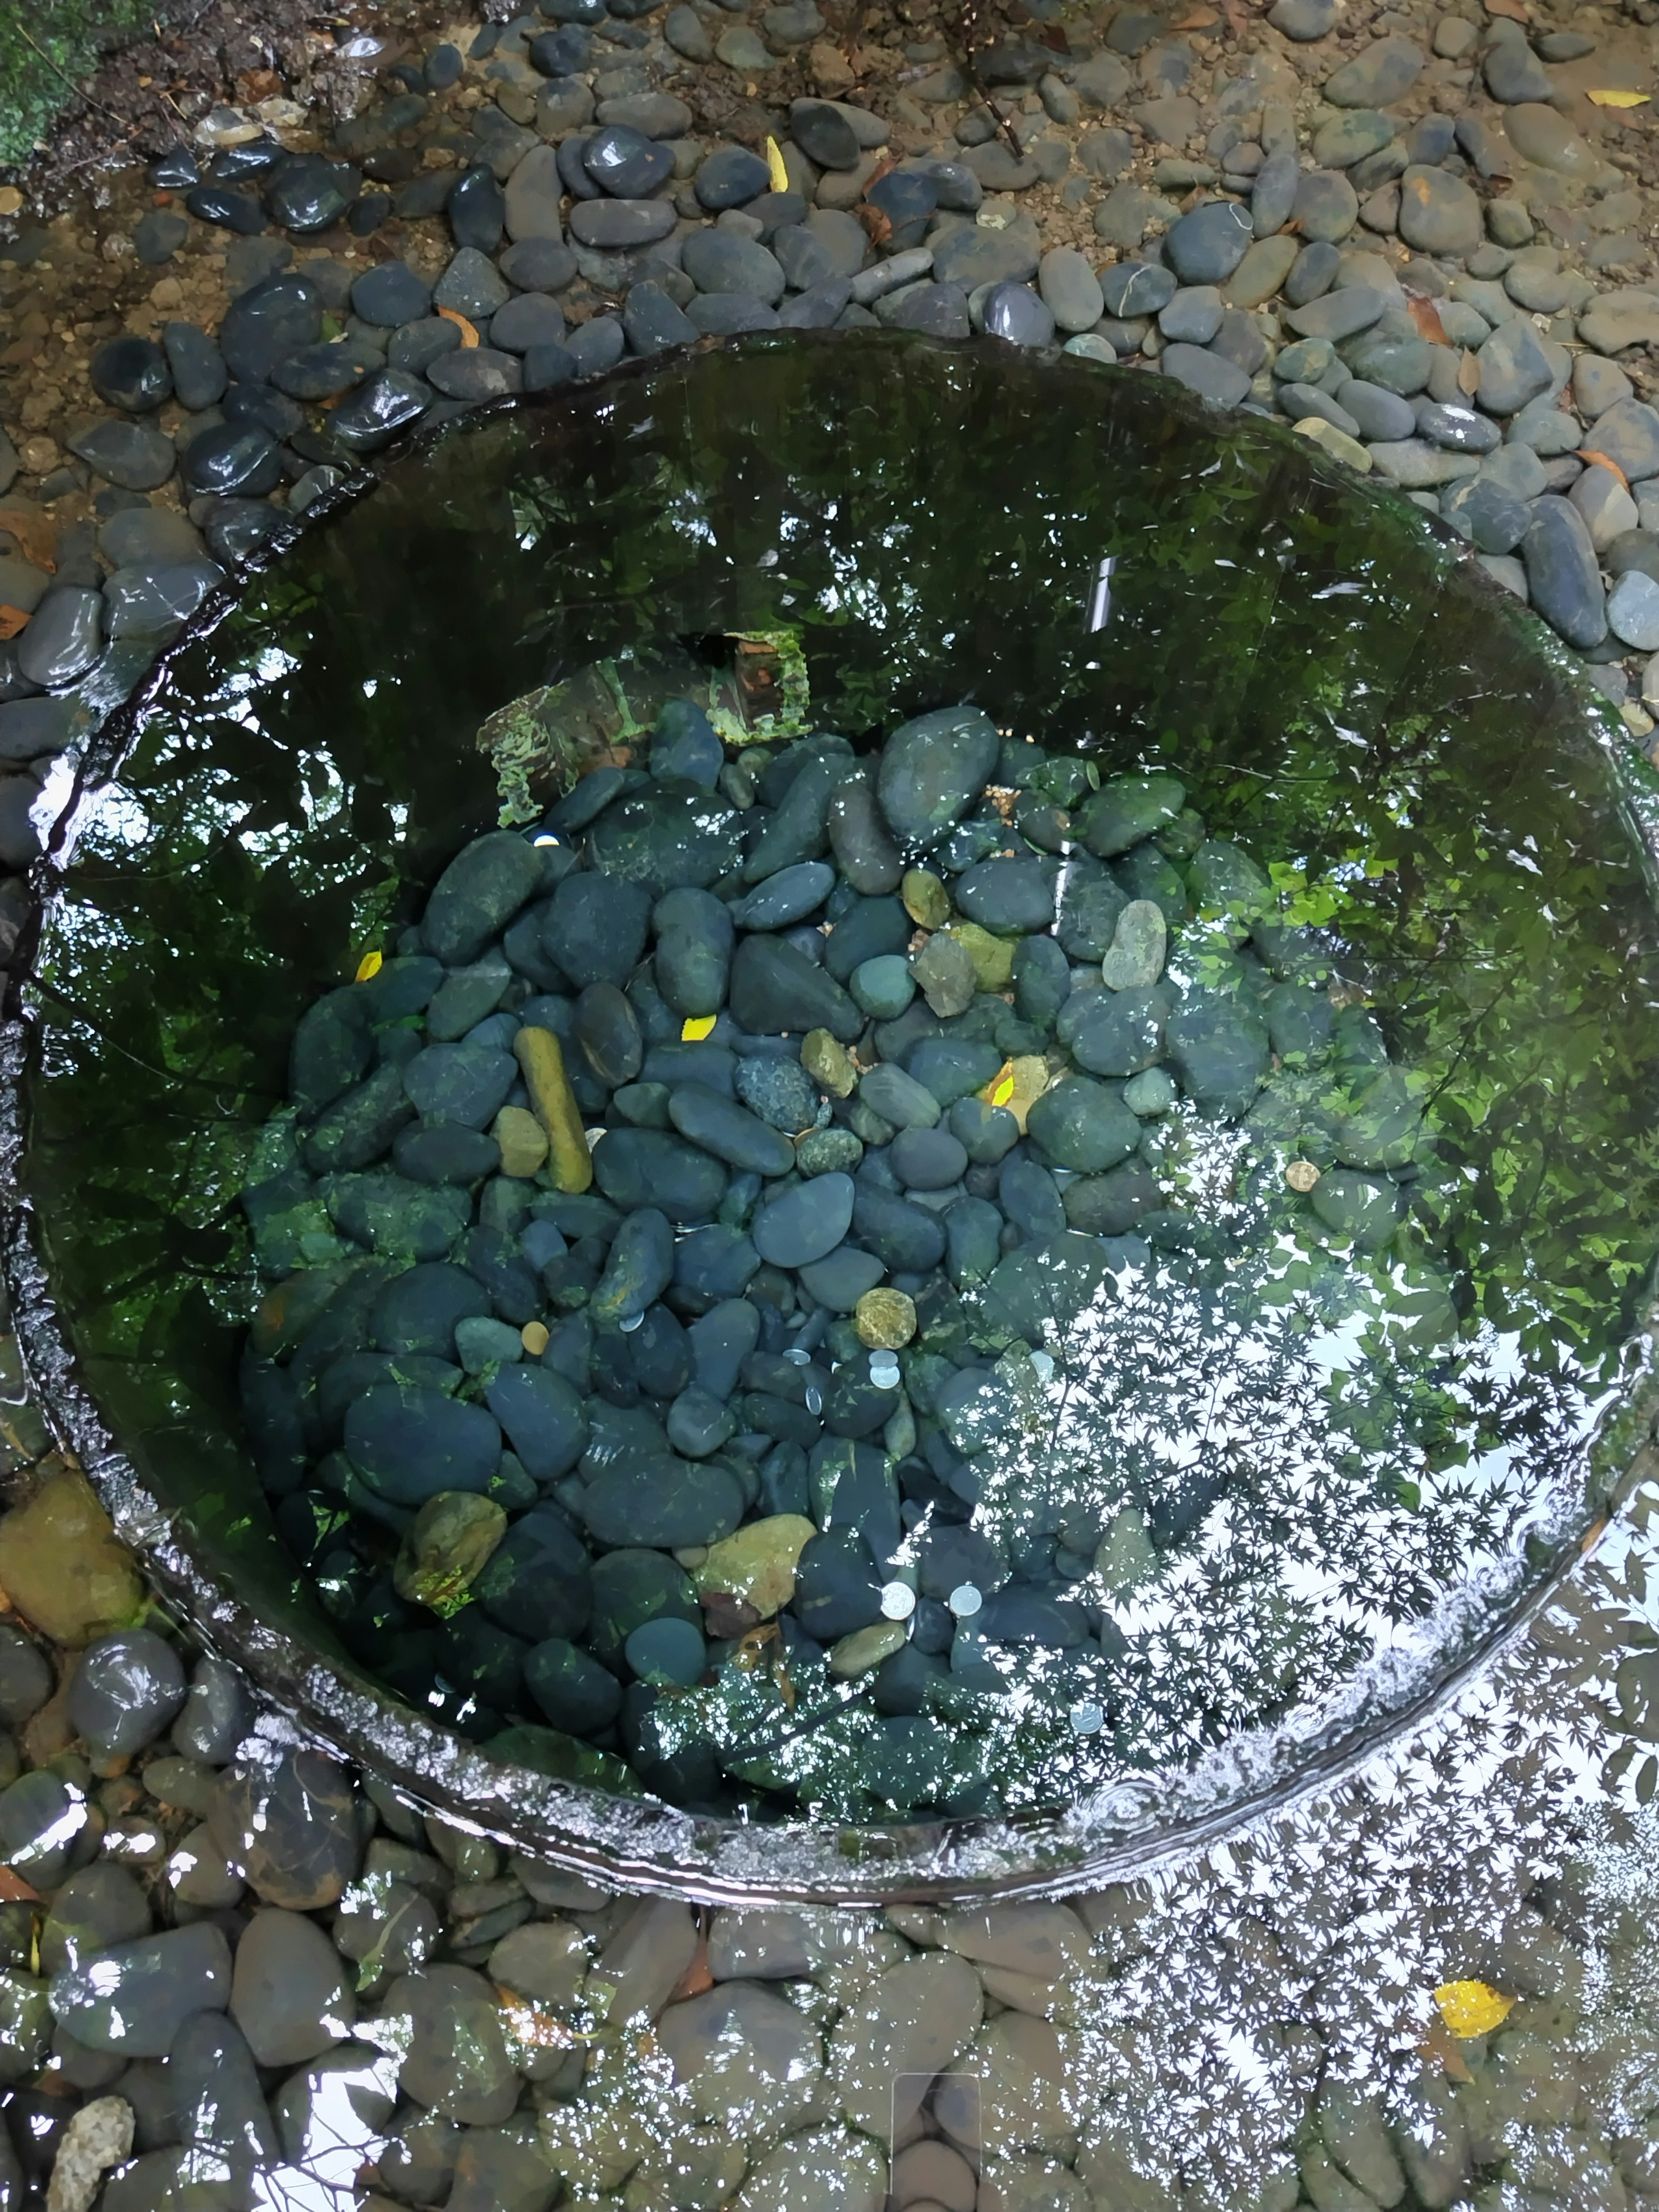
(1106, 568)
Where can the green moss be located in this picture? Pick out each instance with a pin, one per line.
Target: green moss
(46, 55)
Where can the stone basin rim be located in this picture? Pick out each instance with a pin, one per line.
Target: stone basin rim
(647, 1846)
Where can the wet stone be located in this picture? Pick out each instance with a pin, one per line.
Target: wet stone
(127, 1689)
(125, 453)
(290, 1828)
(134, 1997)
(26, 1680)
(40, 1819)
(130, 372)
(289, 1994)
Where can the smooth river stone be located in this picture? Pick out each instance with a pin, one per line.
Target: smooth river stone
(1134, 960)
(776, 989)
(478, 893)
(806, 1224)
(663, 1502)
(125, 1690)
(648, 1167)
(931, 771)
(135, 1998)
(729, 1131)
(904, 2029)
(544, 1417)
(410, 1443)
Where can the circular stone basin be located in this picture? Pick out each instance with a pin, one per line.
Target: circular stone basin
(1273, 951)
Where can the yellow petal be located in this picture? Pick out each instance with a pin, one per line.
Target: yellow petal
(367, 966)
(1617, 99)
(780, 175)
(696, 1027)
(1472, 2008)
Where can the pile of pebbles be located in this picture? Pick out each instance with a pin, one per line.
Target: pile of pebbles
(1411, 236)
(666, 1242)
(232, 1973)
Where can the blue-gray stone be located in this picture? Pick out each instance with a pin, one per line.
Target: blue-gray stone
(391, 295)
(135, 1998)
(64, 637)
(124, 453)
(626, 163)
(1209, 375)
(196, 364)
(652, 322)
(1136, 287)
(265, 323)
(471, 285)
(1563, 576)
(131, 373)
(610, 223)
(730, 177)
(718, 261)
(1015, 313)
(232, 460)
(1208, 244)
(806, 1223)
(1383, 72)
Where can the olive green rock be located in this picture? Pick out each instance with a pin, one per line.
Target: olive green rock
(1134, 959)
(926, 899)
(62, 1566)
(452, 1537)
(829, 1063)
(757, 1564)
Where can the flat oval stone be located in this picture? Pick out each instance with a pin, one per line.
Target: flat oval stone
(1083, 1126)
(409, 1443)
(727, 1130)
(127, 1688)
(787, 896)
(775, 988)
(647, 1167)
(135, 1998)
(664, 1502)
(576, 1693)
(544, 1417)
(931, 770)
(806, 1224)
(1008, 895)
(130, 372)
(595, 927)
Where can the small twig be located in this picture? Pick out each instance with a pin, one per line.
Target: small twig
(58, 69)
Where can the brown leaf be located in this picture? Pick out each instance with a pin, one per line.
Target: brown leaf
(1196, 19)
(696, 1978)
(1054, 36)
(1468, 375)
(879, 226)
(35, 532)
(1427, 316)
(1512, 9)
(469, 334)
(13, 1890)
(12, 619)
(1438, 2043)
(1589, 455)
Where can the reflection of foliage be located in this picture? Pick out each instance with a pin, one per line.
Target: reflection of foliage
(1450, 830)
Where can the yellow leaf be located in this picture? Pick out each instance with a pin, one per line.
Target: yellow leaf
(367, 966)
(1472, 2008)
(780, 175)
(1617, 99)
(696, 1027)
(1005, 1090)
(469, 330)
